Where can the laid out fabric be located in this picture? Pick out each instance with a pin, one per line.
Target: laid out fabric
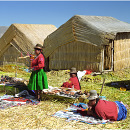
(88, 71)
(81, 105)
(72, 114)
(25, 94)
(5, 97)
(106, 110)
(38, 63)
(9, 101)
(72, 82)
(122, 114)
(38, 80)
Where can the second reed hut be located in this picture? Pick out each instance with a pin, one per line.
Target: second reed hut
(97, 43)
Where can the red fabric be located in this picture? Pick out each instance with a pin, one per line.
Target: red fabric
(16, 99)
(106, 110)
(38, 63)
(72, 81)
(88, 71)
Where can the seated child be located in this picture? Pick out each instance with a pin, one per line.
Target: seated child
(73, 81)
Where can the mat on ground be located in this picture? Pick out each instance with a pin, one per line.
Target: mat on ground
(7, 101)
(72, 114)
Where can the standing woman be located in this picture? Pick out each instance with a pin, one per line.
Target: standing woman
(38, 79)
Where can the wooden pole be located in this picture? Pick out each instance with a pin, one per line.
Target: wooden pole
(15, 72)
(112, 62)
(16, 67)
(103, 59)
(3, 61)
(102, 86)
(24, 57)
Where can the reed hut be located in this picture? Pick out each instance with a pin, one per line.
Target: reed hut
(97, 43)
(20, 39)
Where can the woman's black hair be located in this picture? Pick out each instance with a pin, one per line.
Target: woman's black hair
(43, 56)
(73, 73)
(44, 61)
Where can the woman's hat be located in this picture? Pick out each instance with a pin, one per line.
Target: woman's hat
(73, 70)
(93, 95)
(38, 46)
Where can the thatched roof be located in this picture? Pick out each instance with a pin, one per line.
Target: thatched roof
(95, 30)
(3, 30)
(25, 36)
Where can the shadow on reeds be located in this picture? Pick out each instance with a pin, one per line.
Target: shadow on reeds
(118, 84)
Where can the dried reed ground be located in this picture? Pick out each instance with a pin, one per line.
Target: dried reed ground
(39, 116)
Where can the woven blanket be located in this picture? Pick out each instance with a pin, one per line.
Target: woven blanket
(71, 114)
(9, 101)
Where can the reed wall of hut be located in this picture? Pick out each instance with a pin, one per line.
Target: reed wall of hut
(122, 51)
(76, 54)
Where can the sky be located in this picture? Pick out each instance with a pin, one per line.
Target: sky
(58, 12)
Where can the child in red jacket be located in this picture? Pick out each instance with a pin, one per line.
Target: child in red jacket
(73, 81)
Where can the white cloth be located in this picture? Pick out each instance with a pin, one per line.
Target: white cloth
(24, 93)
(80, 74)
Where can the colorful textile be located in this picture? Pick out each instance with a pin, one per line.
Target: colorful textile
(122, 111)
(5, 97)
(38, 80)
(72, 82)
(102, 97)
(88, 72)
(11, 102)
(106, 110)
(38, 63)
(82, 106)
(71, 114)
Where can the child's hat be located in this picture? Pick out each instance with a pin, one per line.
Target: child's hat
(93, 95)
(73, 70)
(38, 46)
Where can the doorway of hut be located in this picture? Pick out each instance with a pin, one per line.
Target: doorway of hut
(108, 51)
(46, 68)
